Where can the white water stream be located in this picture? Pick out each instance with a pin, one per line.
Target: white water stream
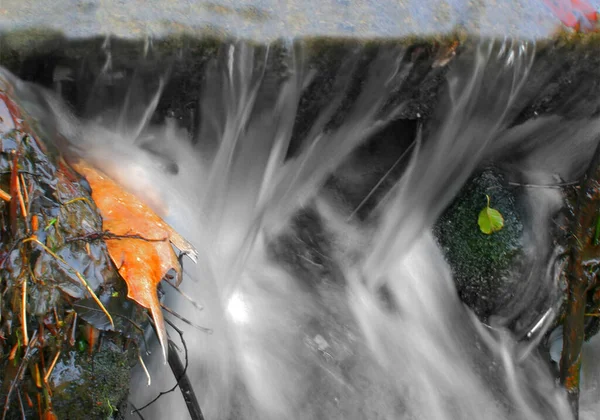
(280, 350)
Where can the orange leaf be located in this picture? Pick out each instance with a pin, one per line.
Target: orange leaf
(139, 242)
(49, 415)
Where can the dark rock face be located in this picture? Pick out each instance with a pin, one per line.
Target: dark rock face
(305, 249)
(483, 265)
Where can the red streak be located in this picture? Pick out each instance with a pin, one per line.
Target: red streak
(577, 14)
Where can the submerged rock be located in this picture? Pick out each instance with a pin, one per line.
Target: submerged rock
(482, 265)
(93, 386)
(305, 249)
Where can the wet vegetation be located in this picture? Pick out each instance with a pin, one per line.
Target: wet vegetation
(483, 265)
(57, 287)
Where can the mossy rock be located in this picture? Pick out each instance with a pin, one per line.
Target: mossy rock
(102, 388)
(86, 385)
(483, 265)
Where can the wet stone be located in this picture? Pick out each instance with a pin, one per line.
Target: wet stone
(305, 250)
(483, 265)
(108, 370)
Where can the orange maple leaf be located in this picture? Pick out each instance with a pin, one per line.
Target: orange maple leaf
(138, 242)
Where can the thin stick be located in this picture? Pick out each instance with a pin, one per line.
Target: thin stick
(180, 372)
(4, 195)
(79, 276)
(190, 323)
(13, 351)
(21, 200)
(109, 235)
(35, 224)
(29, 194)
(14, 186)
(29, 402)
(56, 317)
(39, 405)
(136, 411)
(184, 383)
(24, 187)
(36, 373)
(73, 329)
(15, 243)
(20, 372)
(24, 312)
(145, 369)
(78, 199)
(185, 296)
(47, 375)
(389, 171)
(21, 404)
(557, 185)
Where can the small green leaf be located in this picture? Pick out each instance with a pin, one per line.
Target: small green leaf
(490, 220)
(50, 223)
(81, 345)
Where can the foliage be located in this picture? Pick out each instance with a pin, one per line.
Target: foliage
(490, 220)
(74, 279)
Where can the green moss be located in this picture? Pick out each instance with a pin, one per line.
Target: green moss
(481, 263)
(102, 385)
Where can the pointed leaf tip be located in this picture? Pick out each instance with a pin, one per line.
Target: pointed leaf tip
(140, 245)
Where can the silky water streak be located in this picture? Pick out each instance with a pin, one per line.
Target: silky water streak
(383, 335)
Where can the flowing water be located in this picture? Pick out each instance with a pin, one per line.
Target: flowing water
(379, 332)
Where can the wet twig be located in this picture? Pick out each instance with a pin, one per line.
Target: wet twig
(29, 351)
(179, 370)
(21, 407)
(181, 292)
(94, 236)
(143, 365)
(4, 195)
(187, 321)
(579, 282)
(182, 380)
(556, 185)
(14, 205)
(136, 411)
(389, 171)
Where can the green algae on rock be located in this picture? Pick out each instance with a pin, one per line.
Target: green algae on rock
(107, 370)
(482, 264)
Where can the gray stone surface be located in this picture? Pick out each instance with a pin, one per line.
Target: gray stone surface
(266, 19)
